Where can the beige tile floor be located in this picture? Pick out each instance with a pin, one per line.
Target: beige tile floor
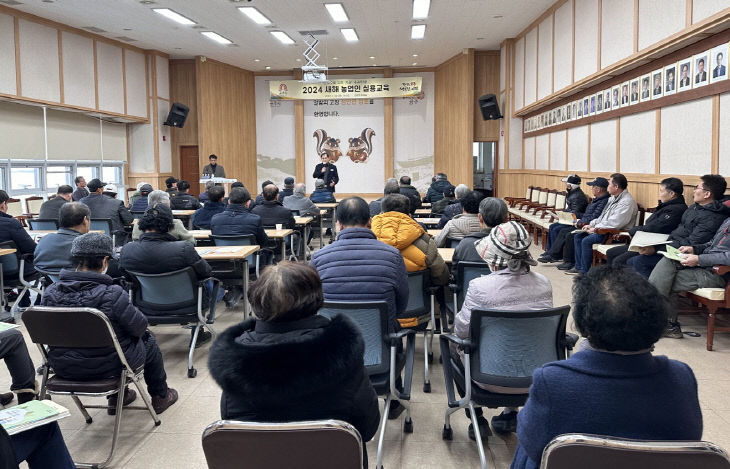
(176, 443)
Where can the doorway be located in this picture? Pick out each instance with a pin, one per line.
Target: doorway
(484, 158)
(190, 167)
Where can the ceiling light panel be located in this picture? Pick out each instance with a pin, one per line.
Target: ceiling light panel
(216, 37)
(283, 37)
(174, 16)
(337, 12)
(255, 15)
(420, 9)
(418, 31)
(350, 34)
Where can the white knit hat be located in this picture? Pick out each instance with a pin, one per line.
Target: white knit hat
(507, 245)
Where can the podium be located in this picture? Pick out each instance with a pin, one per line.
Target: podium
(225, 182)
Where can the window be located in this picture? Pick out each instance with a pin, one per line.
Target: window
(3, 174)
(58, 176)
(112, 174)
(88, 172)
(25, 178)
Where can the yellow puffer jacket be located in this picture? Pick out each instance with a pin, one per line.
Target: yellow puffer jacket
(401, 231)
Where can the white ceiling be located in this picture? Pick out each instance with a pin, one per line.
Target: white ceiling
(382, 25)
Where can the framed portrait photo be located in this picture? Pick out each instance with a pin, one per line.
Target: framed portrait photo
(593, 104)
(616, 96)
(579, 114)
(568, 111)
(575, 109)
(657, 88)
(670, 79)
(634, 96)
(599, 102)
(607, 104)
(645, 85)
(565, 112)
(700, 62)
(718, 63)
(586, 107)
(684, 79)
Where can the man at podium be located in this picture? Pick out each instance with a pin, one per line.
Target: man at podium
(213, 169)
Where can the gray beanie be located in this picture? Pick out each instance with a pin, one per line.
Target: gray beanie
(91, 245)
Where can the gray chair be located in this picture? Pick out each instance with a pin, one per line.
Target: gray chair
(14, 275)
(384, 362)
(174, 298)
(84, 328)
(465, 273)
(321, 444)
(240, 240)
(503, 349)
(419, 313)
(574, 451)
(452, 242)
(104, 225)
(42, 224)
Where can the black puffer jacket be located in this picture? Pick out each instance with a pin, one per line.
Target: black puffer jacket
(576, 202)
(95, 290)
(412, 194)
(436, 190)
(273, 212)
(665, 218)
(699, 224)
(302, 370)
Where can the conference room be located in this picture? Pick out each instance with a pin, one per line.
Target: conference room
(346, 234)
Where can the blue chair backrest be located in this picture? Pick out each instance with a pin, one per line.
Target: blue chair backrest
(418, 302)
(372, 321)
(10, 262)
(169, 291)
(452, 242)
(43, 224)
(101, 224)
(53, 276)
(511, 344)
(237, 240)
(465, 273)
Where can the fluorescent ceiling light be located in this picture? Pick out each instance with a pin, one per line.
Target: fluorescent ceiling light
(420, 9)
(283, 37)
(337, 12)
(255, 15)
(174, 16)
(216, 37)
(350, 34)
(418, 31)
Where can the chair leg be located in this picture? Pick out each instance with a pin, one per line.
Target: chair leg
(81, 407)
(146, 399)
(478, 436)
(383, 421)
(426, 379)
(711, 327)
(192, 372)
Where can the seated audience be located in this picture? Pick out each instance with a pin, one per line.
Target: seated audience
(492, 212)
(614, 386)
(204, 196)
(183, 200)
(102, 206)
(237, 219)
(665, 219)
(233, 186)
(53, 251)
(271, 211)
(436, 189)
(575, 203)
(49, 209)
(464, 224)
(699, 222)
(411, 192)
(299, 201)
(158, 252)
(213, 205)
(287, 190)
(288, 363)
(511, 286)
(41, 448)
(171, 185)
(619, 214)
(141, 202)
(448, 199)
(260, 197)
(20, 366)
(391, 187)
(693, 272)
(88, 286)
(110, 190)
(178, 230)
(454, 208)
(81, 190)
(12, 230)
(562, 245)
(321, 194)
(136, 194)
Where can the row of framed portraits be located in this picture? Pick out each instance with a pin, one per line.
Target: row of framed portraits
(693, 72)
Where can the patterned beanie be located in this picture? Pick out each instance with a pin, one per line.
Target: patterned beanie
(507, 245)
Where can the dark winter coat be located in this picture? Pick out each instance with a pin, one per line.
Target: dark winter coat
(594, 209)
(140, 205)
(12, 230)
(157, 253)
(96, 290)
(103, 206)
(436, 190)
(322, 195)
(466, 251)
(358, 267)
(576, 202)
(238, 220)
(273, 212)
(699, 224)
(412, 194)
(53, 251)
(303, 370)
(51, 208)
(665, 218)
(184, 201)
(204, 214)
(438, 207)
(328, 176)
(285, 193)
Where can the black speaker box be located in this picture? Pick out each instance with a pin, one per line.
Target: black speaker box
(489, 107)
(177, 115)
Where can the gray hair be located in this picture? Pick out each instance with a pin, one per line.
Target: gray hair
(208, 185)
(461, 190)
(391, 186)
(300, 188)
(493, 211)
(158, 197)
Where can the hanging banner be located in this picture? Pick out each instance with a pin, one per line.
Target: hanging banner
(346, 88)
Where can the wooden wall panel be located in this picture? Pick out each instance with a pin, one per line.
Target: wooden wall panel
(39, 72)
(486, 81)
(531, 67)
(136, 83)
(545, 58)
(659, 19)
(78, 70)
(563, 50)
(686, 133)
(7, 55)
(586, 38)
(702, 9)
(724, 137)
(183, 90)
(617, 30)
(110, 77)
(227, 118)
(519, 74)
(454, 118)
(163, 78)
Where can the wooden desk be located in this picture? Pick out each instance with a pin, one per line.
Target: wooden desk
(303, 224)
(231, 253)
(4, 252)
(433, 233)
(423, 211)
(447, 254)
(431, 222)
(333, 206)
(37, 234)
(185, 214)
(279, 235)
(426, 204)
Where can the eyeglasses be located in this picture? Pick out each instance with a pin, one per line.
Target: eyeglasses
(700, 188)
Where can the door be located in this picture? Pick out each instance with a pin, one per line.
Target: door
(190, 168)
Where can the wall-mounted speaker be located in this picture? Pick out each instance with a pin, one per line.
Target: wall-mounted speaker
(178, 114)
(489, 107)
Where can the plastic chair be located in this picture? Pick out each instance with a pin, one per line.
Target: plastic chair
(14, 275)
(174, 298)
(105, 225)
(84, 328)
(419, 313)
(230, 444)
(240, 240)
(42, 224)
(452, 242)
(573, 451)
(503, 349)
(465, 273)
(382, 360)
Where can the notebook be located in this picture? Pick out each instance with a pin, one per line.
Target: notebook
(644, 239)
(32, 414)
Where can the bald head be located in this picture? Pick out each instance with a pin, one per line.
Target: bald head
(300, 188)
(270, 192)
